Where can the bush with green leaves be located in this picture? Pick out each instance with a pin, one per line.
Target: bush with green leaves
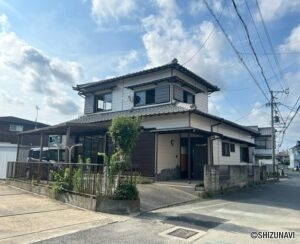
(61, 180)
(77, 179)
(125, 132)
(126, 191)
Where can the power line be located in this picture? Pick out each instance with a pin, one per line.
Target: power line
(270, 41)
(203, 44)
(261, 42)
(283, 133)
(250, 43)
(251, 112)
(235, 50)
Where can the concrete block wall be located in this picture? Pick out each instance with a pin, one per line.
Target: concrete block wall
(237, 176)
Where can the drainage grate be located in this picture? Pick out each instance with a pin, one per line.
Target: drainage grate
(183, 233)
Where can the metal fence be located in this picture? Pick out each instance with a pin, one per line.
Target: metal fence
(92, 179)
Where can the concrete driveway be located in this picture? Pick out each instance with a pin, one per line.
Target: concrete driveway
(164, 194)
(27, 218)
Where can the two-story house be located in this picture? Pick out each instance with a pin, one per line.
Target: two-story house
(263, 145)
(179, 135)
(10, 126)
(294, 153)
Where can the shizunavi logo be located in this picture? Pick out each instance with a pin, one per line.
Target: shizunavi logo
(272, 234)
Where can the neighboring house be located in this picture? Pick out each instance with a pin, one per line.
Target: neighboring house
(9, 128)
(263, 145)
(179, 135)
(283, 156)
(295, 156)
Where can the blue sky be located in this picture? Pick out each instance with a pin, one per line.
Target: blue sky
(48, 46)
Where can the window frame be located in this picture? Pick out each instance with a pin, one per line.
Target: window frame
(244, 154)
(146, 97)
(185, 95)
(225, 149)
(14, 128)
(232, 147)
(105, 102)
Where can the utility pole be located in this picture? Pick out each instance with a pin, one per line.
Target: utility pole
(273, 130)
(37, 114)
(272, 104)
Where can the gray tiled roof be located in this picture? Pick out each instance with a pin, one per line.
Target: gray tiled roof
(174, 108)
(146, 111)
(173, 65)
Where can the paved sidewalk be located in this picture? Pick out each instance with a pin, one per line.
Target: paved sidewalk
(27, 218)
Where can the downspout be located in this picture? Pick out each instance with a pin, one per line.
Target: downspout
(18, 149)
(189, 151)
(211, 143)
(156, 154)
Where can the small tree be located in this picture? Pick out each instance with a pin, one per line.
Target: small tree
(125, 132)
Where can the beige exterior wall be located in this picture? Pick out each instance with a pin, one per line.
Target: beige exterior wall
(168, 155)
(166, 121)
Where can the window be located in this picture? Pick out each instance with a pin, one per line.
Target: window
(183, 96)
(144, 97)
(232, 147)
(244, 154)
(188, 97)
(103, 102)
(225, 149)
(16, 128)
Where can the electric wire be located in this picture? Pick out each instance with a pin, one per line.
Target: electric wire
(251, 45)
(235, 50)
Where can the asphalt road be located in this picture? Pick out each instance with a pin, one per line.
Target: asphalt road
(226, 219)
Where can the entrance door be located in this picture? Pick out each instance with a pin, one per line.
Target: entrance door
(198, 160)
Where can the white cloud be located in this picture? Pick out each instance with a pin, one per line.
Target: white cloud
(104, 10)
(33, 71)
(62, 104)
(198, 6)
(292, 43)
(258, 115)
(275, 9)
(128, 59)
(166, 38)
(6, 97)
(4, 23)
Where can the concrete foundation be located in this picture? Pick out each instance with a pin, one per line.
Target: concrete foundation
(84, 201)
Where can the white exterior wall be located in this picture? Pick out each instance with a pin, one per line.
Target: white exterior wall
(226, 130)
(294, 159)
(168, 156)
(8, 152)
(219, 159)
(205, 124)
(201, 101)
(166, 121)
(122, 98)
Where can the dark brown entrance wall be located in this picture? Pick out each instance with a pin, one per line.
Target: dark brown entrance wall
(144, 154)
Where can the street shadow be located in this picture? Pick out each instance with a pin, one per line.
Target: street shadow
(282, 194)
(197, 221)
